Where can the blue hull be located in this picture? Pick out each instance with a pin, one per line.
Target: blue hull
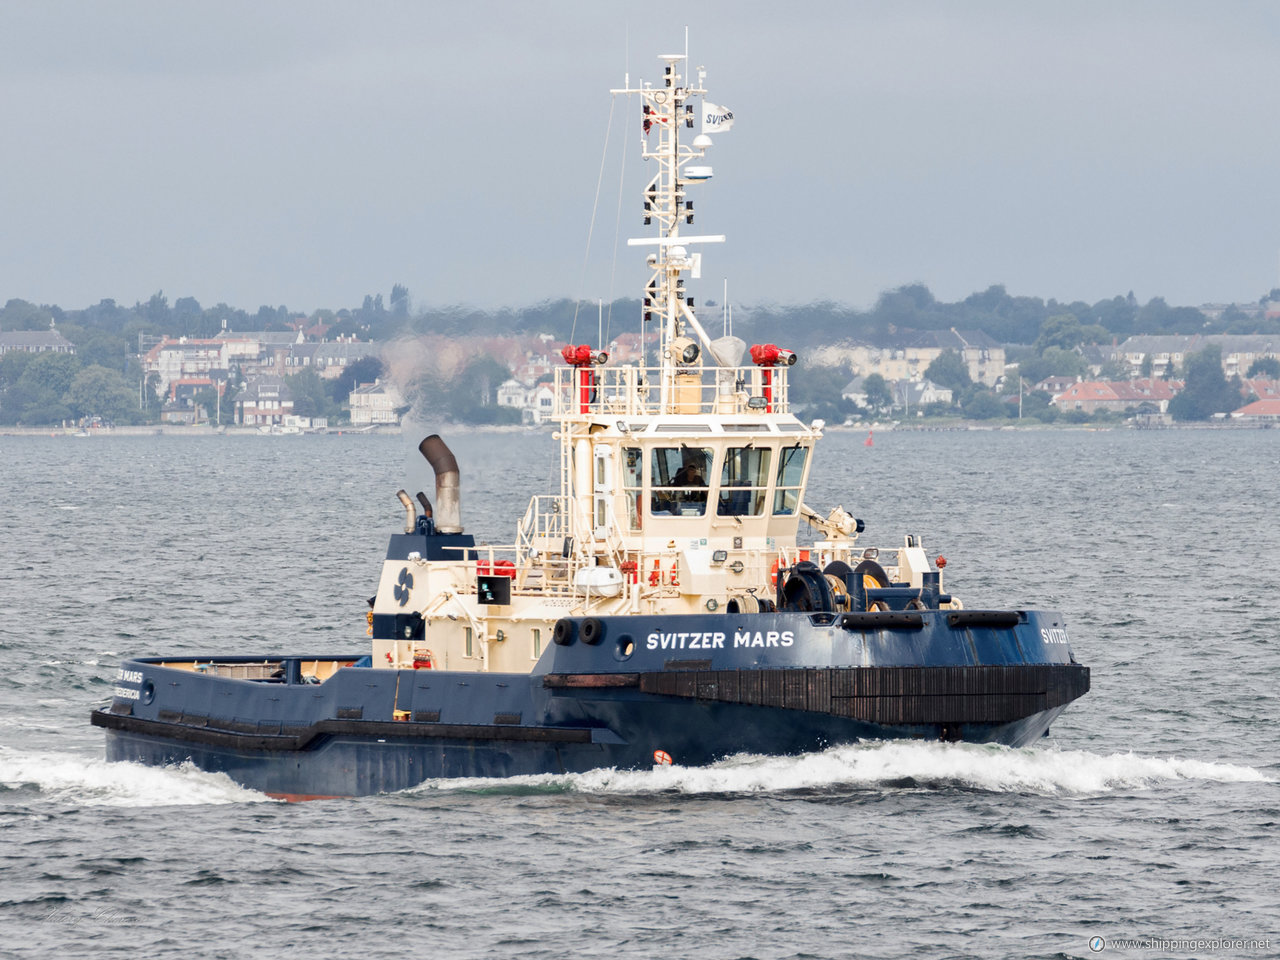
(609, 693)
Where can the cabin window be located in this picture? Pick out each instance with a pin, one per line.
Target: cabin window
(537, 643)
(744, 481)
(632, 480)
(786, 501)
(467, 632)
(678, 479)
(604, 488)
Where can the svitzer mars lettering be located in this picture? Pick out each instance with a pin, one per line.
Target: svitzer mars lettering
(688, 640)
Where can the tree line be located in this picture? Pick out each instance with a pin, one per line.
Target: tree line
(1045, 337)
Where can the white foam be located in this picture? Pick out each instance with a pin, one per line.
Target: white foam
(974, 766)
(71, 779)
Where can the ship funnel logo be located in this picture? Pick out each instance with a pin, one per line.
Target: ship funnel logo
(404, 584)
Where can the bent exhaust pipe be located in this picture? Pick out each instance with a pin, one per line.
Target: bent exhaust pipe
(448, 512)
(410, 513)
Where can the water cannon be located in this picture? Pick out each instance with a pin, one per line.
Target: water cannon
(771, 355)
(583, 356)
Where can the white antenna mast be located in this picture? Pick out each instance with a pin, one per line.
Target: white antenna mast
(666, 110)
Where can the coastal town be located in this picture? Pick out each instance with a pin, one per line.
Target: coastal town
(252, 375)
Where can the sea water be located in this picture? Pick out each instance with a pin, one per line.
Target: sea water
(1149, 815)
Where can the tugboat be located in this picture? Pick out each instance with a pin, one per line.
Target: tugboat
(657, 608)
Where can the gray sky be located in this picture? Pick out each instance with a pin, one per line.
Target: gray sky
(308, 153)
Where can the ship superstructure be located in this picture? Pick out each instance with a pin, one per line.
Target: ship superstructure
(681, 483)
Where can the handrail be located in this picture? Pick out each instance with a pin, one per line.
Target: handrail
(641, 391)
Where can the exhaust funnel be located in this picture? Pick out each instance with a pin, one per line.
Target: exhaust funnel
(448, 512)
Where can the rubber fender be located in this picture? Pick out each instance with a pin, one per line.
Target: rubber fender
(563, 632)
(882, 621)
(1001, 619)
(592, 630)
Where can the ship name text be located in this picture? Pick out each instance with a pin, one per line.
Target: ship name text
(717, 640)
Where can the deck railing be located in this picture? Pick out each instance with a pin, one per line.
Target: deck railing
(635, 391)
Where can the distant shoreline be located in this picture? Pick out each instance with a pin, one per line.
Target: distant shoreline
(960, 426)
(187, 430)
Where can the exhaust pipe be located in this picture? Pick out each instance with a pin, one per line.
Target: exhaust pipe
(410, 514)
(448, 512)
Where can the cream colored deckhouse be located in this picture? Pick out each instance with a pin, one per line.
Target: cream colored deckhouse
(681, 483)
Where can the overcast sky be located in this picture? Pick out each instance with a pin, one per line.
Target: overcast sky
(309, 153)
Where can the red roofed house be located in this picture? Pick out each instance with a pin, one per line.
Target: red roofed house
(1262, 389)
(1118, 396)
(1259, 410)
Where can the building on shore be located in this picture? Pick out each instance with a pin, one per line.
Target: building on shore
(535, 402)
(375, 404)
(1117, 396)
(911, 396)
(34, 341)
(907, 358)
(264, 401)
(1168, 352)
(1260, 411)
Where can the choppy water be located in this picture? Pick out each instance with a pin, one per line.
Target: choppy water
(1152, 811)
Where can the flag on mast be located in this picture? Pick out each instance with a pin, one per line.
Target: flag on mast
(715, 119)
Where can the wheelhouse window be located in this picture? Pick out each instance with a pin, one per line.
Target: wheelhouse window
(786, 499)
(744, 482)
(632, 481)
(678, 481)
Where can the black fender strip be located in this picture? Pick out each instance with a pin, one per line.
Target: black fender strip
(206, 731)
(984, 618)
(882, 621)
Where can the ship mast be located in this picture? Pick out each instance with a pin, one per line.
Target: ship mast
(666, 111)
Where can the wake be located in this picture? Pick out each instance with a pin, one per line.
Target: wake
(66, 778)
(888, 765)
